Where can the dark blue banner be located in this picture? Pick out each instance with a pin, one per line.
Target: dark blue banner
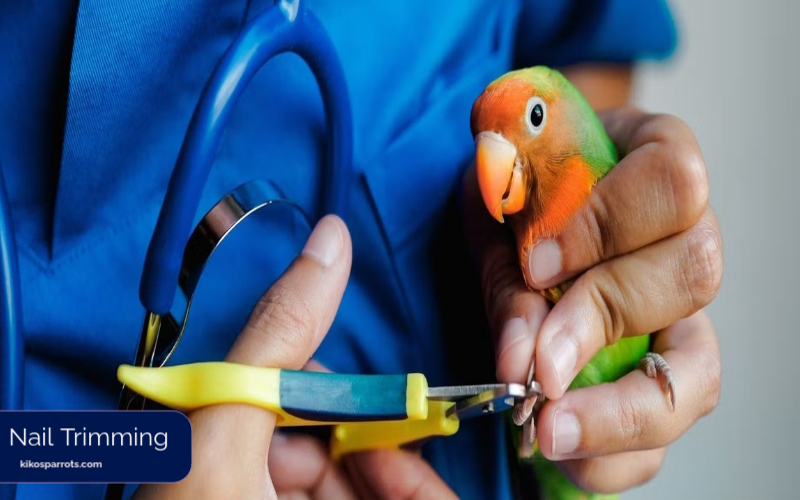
(94, 446)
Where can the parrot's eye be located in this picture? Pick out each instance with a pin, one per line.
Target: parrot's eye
(536, 115)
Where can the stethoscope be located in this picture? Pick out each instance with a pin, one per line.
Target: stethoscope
(177, 253)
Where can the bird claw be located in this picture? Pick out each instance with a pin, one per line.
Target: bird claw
(655, 366)
(524, 415)
(526, 447)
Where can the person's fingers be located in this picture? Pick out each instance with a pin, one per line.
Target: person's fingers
(616, 473)
(294, 495)
(283, 331)
(300, 465)
(659, 188)
(390, 474)
(396, 475)
(631, 128)
(294, 315)
(514, 312)
(315, 366)
(633, 413)
(630, 295)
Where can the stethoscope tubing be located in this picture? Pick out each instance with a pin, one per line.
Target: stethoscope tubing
(286, 27)
(275, 31)
(12, 342)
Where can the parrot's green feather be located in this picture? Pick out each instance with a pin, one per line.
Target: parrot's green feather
(614, 361)
(596, 147)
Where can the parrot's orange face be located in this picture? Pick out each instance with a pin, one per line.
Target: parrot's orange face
(527, 153)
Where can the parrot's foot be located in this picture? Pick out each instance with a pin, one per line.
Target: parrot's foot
(524, 415)
(655, 366)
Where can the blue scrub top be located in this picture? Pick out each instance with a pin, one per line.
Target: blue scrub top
(95, 98)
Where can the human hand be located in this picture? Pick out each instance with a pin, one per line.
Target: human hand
(235, 452)
(650, 251)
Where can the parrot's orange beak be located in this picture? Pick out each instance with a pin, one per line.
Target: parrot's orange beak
(499, 178)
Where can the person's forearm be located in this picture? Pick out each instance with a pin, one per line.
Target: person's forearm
(603, 85)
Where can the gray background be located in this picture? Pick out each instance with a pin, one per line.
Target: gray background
(734, 79)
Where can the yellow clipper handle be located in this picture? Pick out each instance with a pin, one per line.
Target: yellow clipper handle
(364, 436)
(375, 411)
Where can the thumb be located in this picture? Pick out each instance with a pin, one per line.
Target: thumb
(293, 316)
(291, 319)
(230, 443)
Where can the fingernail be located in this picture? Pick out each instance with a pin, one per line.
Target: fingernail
(515, 347)
(566, 433)
(513, 332)
(325, 242)
(563, 353)
(544, 261)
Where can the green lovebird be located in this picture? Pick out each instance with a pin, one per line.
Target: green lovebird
(540, 150)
